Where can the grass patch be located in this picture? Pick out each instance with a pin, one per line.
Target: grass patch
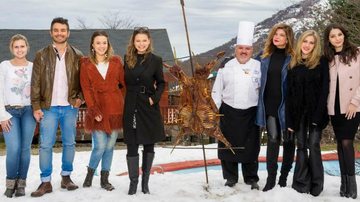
(329, 147)
(2, 145)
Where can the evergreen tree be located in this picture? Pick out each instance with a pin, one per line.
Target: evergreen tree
(347, 13)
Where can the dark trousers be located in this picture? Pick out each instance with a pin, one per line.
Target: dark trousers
(249, 171)
(309, 170)
(132, 149)
(273, 144)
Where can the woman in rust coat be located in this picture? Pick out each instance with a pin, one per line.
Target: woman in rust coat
(101, 75)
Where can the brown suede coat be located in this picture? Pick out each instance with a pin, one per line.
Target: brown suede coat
(103, 96)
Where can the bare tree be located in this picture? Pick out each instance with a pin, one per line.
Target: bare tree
(114, 20)
(81, 23)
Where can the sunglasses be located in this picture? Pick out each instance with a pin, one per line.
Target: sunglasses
(141, 29)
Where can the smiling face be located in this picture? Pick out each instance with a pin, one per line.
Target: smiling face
(100, 45)
(141, 43)
(19, 49)
(243, 53)
(307, 46)
(279, 39)
(336, 38)
(59, 33)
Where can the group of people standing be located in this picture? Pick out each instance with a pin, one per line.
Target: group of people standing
(50, 91)
(290, 91)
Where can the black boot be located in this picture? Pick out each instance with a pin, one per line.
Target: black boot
(270, 182)
(283, 179)
(272, 154)
(89, 177)
(230, 172)
(146, 168)
(10, 188)
(104, 181)
(133, 170)
(254, 185)
(343, 187)
(288, 159)
(351, 187)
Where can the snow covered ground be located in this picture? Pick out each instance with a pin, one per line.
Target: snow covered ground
(165, 187)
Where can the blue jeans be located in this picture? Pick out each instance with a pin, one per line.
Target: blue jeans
(66, 117)
(103, 149)
(18, 142)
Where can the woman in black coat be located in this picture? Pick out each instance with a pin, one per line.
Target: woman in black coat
(145, 83)
(306, 114)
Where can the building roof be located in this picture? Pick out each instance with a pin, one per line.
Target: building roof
(81, 40)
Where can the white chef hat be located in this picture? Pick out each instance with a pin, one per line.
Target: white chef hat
(245, 33)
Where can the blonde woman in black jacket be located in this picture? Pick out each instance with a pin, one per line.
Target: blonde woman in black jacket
(306, 114)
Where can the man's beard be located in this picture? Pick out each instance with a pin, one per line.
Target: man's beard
(60, 42)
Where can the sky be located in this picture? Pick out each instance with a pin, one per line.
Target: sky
(170, 186)
(211, 23)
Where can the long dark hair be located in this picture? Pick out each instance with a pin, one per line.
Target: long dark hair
(131, 51)
(349, 50)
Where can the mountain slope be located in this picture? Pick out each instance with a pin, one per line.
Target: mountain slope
(307, 14)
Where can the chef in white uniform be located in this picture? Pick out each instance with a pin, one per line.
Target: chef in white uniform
(235, 93)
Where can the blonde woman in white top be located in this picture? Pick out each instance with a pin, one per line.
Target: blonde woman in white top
(16, 117)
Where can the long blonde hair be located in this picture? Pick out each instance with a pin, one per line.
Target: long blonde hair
(131, 51)
(314, 57)
(270, 47)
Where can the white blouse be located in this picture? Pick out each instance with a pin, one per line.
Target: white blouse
(102, 67)
(15, 86)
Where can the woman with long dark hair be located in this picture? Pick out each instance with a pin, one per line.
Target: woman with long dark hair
(143, 124)
(344, 100)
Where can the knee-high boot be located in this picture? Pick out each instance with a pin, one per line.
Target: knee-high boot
(146, 168)
(133, 170)
(272, 151)
(272, 154)
(288, 159)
